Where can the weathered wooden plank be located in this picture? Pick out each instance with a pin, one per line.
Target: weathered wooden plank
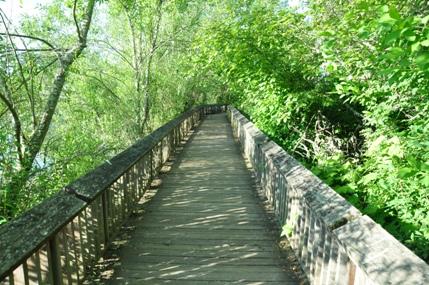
(137, 281)
(94, 182)
(385, 259)
(186, 246)
(21, 236)
(206, 223)
(209, 242)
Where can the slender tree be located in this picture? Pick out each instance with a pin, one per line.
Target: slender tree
(18, 77)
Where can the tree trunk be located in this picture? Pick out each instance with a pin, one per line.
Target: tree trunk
(35, 142)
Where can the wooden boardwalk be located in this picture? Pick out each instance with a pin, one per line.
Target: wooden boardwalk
(206, 224)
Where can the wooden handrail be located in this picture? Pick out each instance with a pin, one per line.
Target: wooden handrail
(60, 239)
(334, 243)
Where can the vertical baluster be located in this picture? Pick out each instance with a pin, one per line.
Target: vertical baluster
(333, 262)
(318, 249)
(95, 228)
(83, 243)
(106, 215)
(305, 233)
(25, 273)
(38, 268)
(343, 267)
(11, 279)
(55, 261)
(75, 248)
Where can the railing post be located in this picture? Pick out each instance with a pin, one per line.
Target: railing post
(55, 262)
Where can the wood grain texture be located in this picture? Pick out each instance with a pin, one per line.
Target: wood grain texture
(206, 224)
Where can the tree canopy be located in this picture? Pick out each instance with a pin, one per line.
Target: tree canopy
(341, 85)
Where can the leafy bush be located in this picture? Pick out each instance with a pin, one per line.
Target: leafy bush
(344, 88)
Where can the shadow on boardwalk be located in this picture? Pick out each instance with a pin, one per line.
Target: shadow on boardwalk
(207, 223)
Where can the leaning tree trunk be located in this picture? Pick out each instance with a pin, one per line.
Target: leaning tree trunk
(34, 143)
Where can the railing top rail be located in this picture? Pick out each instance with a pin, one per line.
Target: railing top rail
(374, 252)
(92, 183)
(24, 235)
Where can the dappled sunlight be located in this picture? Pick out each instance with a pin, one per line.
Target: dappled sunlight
(204, 222)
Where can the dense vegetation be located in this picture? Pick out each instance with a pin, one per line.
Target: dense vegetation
(81, 81)
(341, 85)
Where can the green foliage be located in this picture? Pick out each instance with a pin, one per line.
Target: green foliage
(341, 85)
(100, 106)
(344, 88)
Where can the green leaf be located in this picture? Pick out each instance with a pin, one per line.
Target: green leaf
(363, 6)
(415, 46)
(394, 77)
(425, 181)
(393, 13)
(405, 63)
(392, 37)
(344, 189)
(422, 60)
(370, 209)
(425, 20)
(328, 44)
(410, 35)
(425, 43)
(412, 161)
(386, 19)
(382, 9)
(393, 53)
(424, 167)
(368, 178)
(325, 34)
(287, 230)
(406, 172)
(387, 71)
(332, 67)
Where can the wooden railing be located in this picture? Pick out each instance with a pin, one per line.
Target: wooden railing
(334, 243)
(59, 240)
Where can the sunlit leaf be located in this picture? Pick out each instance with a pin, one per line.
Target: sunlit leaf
(392, 36)
(425, 181)
(393, 13)
(422, 60)
(425, 20)
(382, 9)
(412, 161)
(325, 34)
(415, 46)
(363, 5)
(385, 18)
(406, 172)
(425, 43)
(410, 35)
(368, 178)
(287, 230)
(393, 53)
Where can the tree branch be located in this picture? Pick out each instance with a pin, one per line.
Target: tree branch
(16, 120)
(31, 37)
(75, 21)
(120, 54)
(21, 71)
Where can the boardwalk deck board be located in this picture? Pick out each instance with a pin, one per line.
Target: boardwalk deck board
(205, 224)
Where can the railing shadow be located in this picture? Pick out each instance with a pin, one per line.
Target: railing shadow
(156, 245)
(59, 240)
(333, 241)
